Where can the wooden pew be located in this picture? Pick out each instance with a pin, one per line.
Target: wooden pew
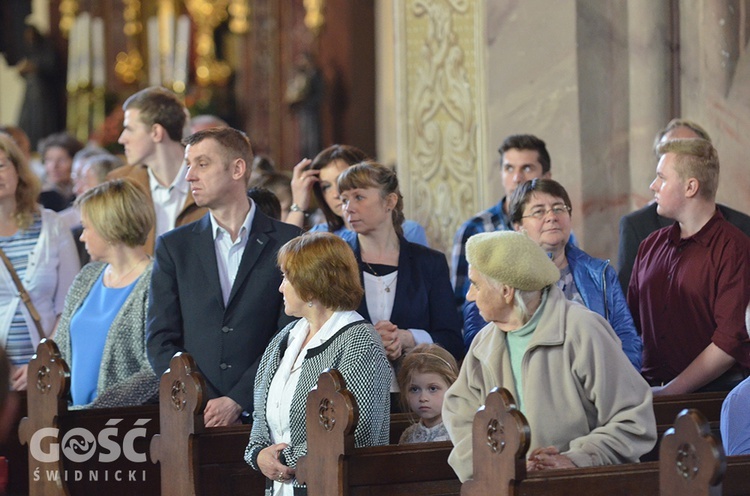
(194, 459)
(210, 461)
(666, 409)
(97, 451)
(691, 462)
(15, 453)
(333, 466)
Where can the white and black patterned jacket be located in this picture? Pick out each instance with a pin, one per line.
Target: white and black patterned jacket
(356, 351)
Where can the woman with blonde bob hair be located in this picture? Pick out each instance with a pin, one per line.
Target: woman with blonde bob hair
(41, 251)
(321, 286)
(102, 330)
(585, 403)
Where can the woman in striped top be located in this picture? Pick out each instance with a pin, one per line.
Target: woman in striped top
(43, 254)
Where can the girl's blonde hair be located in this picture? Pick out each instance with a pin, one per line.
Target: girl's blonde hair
(425, 359)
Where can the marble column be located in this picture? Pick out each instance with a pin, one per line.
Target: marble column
(650, 61)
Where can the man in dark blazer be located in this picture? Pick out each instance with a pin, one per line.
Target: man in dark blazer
(636, 226)
(214, 288)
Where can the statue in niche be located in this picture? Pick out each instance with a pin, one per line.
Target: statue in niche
(39, 113)
(304, 95)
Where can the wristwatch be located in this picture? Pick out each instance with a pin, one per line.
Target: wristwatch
(296, 208)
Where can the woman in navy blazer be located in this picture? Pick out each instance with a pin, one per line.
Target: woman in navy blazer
(408, 295)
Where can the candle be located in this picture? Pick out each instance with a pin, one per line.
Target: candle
(154, 65)
(166, 41)
(97, 37)
(182, 52)
(84, 46)
(72, 77)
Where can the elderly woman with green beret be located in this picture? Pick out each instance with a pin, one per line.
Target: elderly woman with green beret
(585, 403)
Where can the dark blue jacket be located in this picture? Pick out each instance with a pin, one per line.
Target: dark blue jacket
(600, 290)
(424, 296)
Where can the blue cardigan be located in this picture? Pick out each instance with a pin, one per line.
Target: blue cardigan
(600, 290)
(424, 296)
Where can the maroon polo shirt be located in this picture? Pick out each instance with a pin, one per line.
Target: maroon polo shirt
(686, 293)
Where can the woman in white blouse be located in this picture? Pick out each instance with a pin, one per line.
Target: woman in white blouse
(321, 286)
(42, 252)
(407, 286)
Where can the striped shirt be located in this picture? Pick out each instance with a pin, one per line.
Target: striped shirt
(17, 248)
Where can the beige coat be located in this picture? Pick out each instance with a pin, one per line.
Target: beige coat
(581, 394)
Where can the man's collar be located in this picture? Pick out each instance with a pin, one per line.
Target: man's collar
(180, 180)
(246, 225)
(703, 236)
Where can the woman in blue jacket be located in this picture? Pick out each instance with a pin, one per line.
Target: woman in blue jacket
(541, 208)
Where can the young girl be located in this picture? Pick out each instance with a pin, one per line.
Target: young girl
(426, 373)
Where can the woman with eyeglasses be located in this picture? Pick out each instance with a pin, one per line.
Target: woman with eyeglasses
(541, 209)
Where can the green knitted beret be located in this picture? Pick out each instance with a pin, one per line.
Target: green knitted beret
(511, 258)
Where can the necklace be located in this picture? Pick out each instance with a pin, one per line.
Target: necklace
(114, 284)
(380, 278)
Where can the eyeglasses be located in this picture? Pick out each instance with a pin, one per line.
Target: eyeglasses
(539, 213)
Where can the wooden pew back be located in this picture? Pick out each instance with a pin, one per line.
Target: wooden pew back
(691, 462)
(82, 451)
(334, 466)
(195, 459)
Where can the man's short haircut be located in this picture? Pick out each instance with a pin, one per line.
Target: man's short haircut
(679, 122)
(321, 266)
(696, 158)
(267, 202)
(205, 121)
(234, 144)
(528, 142)
(158, 105)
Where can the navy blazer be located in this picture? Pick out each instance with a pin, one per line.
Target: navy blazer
(186, 307)
(636, 226)
(424, 296)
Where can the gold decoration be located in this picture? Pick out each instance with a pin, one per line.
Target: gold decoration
(131, 14)
(129, 63)
(68, 11)
(207, 15)
(239, 12)
(314, 15)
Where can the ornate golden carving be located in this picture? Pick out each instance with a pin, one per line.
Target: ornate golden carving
(206, 16)
(315, 15)
(129, 63)
(239, 13)
(440, 113)
(68, 12)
